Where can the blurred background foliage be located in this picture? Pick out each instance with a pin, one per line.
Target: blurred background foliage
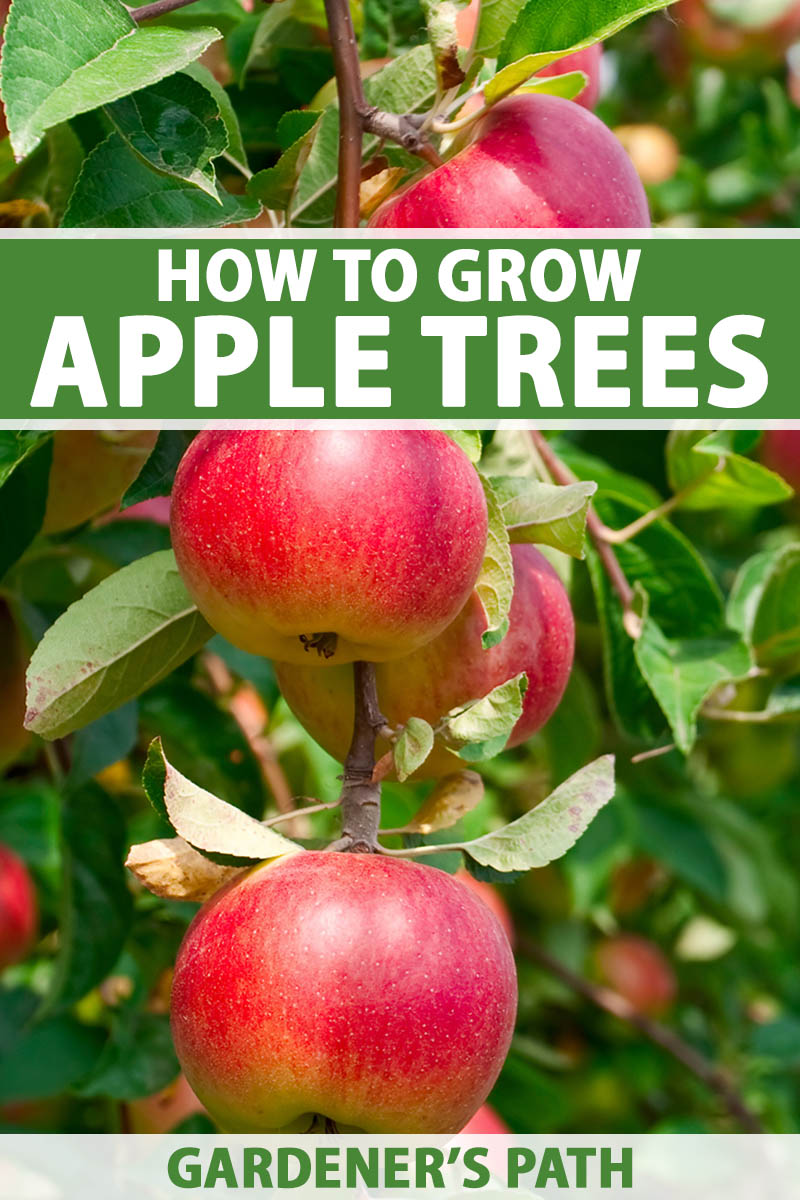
(683, 894)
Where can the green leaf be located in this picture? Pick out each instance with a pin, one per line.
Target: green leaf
(549, 29)
(549, 830)
(206, 822)
(481, 729)
(717, 475)
(15, 446)
(117, 190)
(265, 26)
(138, 1060)
(60, 62)
(224, 15)
(763, 604)
(682, 673)
(412, 747)
(495, 19)
(176, 127)
(111, 645)
(440, 18)
(46, 1059)
(495, 586)
(23, 500)
(158, 473)
(274, 187)
(470, 442)
(406, 85)
(515, 75)
(202, 75)
(784, 700)
(96, 903)
(545, 513)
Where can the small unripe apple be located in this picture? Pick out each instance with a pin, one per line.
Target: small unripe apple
(453, 669)
(328, 546)
(780, 451)
(751, 33)
(18, 912)
(92, 469)
(348, 989)
(536, 162)
(14, 737)
(641, 973)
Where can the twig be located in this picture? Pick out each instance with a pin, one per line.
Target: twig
(361, 795)
(658, 752)
(301, 812)
(617, 536)
(611, 1002)
(352, 104)
(158, 8)
(616, 576)
(742, 717)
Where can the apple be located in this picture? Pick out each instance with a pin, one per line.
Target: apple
(538, 162)
(346, 990)
(328, 546)
(485, 1121)
(654, 151)
(92, 469)
(161, 1112)
(14, 737)
(18, 915)
(750, 33)
(453, 669)
(780, 451)
(639, 971)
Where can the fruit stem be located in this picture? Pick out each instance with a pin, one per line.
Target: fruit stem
(361, 794)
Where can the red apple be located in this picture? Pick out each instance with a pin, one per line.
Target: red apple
(18, 917)
(537, 162)
(334, 545)
(166, 1109)
(453, 669)
(751, 33)
(780, 451)
(485, 1121)
(639, 971)
(14, 737)
(92, 469)
(376, 994)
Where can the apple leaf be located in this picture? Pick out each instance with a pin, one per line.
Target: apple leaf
(274, 187)
(517, 77)
(24, 493)
(716, 473)
(59, 61)
(481, 729)
(545, 513)
(549, 29)
(172, 869)
(494, 20)
(440, 17)
(176, 127)
(784, 700)
(15, 446)
(682, 673)
(208, 824)
(117, 190)
(203, 76)
(111, 645)
(451, 799)
(549, 830)
(763, 603)
(412, 747)
(158, 473)
(495, 586)
(470, 442)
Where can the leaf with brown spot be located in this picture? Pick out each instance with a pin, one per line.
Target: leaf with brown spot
(172, 869)
(451, 799)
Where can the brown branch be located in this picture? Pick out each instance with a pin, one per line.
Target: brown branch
(158, 8)
(361, 795)
(611, 1002)
(616, 576)
(352, 104)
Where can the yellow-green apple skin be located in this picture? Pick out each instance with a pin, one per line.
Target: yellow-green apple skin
(328, 546)
(347, 990)
(92, 469)
(453, 669)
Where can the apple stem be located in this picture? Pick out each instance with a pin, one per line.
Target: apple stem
(361, 794)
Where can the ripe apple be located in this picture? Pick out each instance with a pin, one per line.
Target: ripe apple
(637, 969)
(780, 451)
(750, 33)
(486, 1120)
(333, 545)
(18, 916)
(92, 469)
(14, 737)
(538, 162)
(453, 669)
(376, 994)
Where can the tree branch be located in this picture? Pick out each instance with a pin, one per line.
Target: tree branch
(616, 576)
(158, 8)
(352, 104)
(361, 795)
(611, 1002)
